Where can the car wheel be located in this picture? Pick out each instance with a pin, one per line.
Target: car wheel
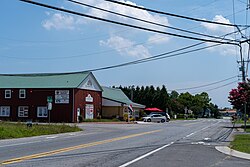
(149, 120)
(162, 121)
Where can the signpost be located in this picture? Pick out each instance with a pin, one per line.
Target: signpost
(49, 105)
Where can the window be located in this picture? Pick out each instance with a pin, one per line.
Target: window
(22, 93)
(42, 112)
(23, 111)
(7, 94)
(4, 111)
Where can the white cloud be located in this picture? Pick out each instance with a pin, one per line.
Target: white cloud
(216, 28)
(59, 21)
(126, 47)
(141, 14)
(225, 50)
(63, 21)
(158, 39)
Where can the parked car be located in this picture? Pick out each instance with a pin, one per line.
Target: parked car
(162, 113)
(154, 118)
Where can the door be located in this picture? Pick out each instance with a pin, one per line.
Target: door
(89, 111)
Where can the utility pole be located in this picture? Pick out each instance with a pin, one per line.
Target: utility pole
(242, 69)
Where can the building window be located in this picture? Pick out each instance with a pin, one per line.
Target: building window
(42, 112)
(7, 94)
(22, 93)
(23, 111)
(4, 111)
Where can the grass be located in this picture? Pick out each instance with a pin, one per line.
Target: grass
(242, 124)
(241, 143)
(18, 130)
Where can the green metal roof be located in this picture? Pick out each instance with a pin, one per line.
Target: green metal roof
(118, 95)
(50, 80)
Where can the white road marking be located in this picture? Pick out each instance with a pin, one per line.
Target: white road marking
(145, 155)
(190, 134)
(21, 143)
(51, 137)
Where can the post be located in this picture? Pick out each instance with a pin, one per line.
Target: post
(245, 117)
(244, 81)
(49, 109)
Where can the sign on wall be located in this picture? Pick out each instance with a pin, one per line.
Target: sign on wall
(61, 96)
(89, 98)
(89, 111)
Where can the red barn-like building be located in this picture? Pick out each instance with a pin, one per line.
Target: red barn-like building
(26, 97)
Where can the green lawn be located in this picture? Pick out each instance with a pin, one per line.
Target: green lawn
(241, 143)
(17, 130)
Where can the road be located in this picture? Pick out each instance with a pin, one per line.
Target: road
(176, 143)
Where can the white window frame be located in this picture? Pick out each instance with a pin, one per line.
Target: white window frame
(22, 93)
(23, 111)
(44, 111)
(7, 94)
(7, 111)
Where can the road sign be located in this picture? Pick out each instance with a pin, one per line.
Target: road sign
(49, 99)
(49, 106)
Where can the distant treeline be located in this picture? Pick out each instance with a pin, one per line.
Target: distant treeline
(173, 102)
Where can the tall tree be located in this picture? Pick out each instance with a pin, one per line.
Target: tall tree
(237, 97)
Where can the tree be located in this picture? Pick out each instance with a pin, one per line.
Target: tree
(237, 97)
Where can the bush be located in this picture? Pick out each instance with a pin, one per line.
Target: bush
(80, 118)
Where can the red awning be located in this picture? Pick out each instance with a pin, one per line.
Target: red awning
(153, 109)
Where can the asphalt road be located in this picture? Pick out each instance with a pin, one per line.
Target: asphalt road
(177, 143)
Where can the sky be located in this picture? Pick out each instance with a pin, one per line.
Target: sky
(35, 39)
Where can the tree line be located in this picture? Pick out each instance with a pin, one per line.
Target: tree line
(173, 102)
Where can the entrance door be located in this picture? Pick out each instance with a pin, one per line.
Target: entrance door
(89, 111)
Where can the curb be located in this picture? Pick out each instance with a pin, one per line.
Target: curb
(231, 152)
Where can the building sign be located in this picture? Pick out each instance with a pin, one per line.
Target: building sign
(61, 96)
(89, 98)
(89, 111)
(49, 99)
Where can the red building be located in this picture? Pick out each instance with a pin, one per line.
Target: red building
(55, 97)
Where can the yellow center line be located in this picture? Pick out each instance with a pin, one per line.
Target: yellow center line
(62, 150)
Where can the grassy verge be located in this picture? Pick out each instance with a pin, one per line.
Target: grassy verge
(241, 143)
(243, 126)
(12, 130)
(242, 122)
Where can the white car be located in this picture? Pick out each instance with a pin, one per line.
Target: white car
(155, 118)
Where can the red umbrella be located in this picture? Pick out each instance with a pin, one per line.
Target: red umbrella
(153, 109)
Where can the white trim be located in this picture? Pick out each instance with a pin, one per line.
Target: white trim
(22, 92)
(6, 111)
(25, 109)
(85, 84)
(7, 92)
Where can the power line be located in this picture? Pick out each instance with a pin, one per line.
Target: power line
(145, 21)
(221, 86)
(205, 85)
(59, 41)
(107, 51)
(123, 24)
(152, 58)
(217, 87)
(175, 15)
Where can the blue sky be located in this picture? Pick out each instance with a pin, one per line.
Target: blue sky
(36, 40)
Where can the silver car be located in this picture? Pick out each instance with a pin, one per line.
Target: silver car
(155, 118)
